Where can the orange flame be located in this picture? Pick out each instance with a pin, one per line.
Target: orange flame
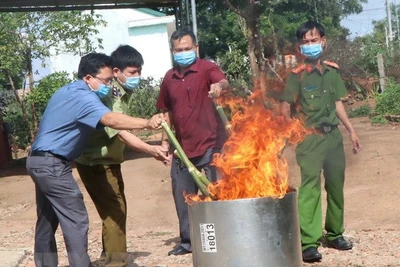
(250, 163)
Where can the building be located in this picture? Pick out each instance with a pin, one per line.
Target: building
(145, 29)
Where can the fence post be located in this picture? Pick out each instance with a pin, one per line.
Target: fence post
(381, 69)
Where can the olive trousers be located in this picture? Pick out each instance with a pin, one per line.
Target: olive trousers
(105, 186)
(321, 152)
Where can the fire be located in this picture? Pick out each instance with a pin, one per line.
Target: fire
(250, 164)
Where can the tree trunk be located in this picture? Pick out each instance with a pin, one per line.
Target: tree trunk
(256, 57)
(255, 48)
(21, 104)
(252, 53)
(35, 121)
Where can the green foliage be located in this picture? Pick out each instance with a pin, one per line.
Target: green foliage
(388, 103)
(379, 120)
(41, 94)
(360, 111)
(6, 98)
(143, 101)
(13, 115)
(21, 132)
(375, 43)
(236, 67)
(25, 37)
(369, 49)
(218, 27)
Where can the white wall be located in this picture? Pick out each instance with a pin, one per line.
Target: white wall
(152, 42)
(147, 33)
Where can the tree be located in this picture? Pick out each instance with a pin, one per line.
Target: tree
(251, 11)
(46, 87)
(25, 37)
(263, 29)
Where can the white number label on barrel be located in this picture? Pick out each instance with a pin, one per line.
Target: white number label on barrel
(208, 240)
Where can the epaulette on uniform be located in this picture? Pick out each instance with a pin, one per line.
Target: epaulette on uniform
(331, 64)
(299, 69)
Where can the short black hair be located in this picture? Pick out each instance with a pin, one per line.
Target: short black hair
(91, 64)
(178, 34)
(308, 26)
(126, 56)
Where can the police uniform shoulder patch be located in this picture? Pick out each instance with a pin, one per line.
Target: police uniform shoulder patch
(331, 64)
(299, 69)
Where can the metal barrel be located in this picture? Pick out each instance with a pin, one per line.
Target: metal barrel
(252, 232)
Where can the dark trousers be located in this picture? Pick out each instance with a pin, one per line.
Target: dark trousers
(182, 182)
(58, 201)
(105, 186)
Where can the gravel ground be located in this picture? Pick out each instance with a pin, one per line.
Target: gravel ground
(372, 247)
(372, 209)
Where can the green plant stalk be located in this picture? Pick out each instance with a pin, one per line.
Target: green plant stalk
(200, 181)
(197, 173)
(222, 115)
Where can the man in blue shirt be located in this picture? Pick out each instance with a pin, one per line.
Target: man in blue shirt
(72, 112)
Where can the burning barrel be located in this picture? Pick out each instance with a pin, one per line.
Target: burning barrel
(249, 217)
(258, 232)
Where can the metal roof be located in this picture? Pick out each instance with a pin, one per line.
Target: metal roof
(42, 5)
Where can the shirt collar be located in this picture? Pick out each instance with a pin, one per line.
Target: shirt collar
(193, 68)
(310, 67)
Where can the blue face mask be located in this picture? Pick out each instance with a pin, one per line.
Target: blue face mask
(313, 51)
(185, 59)
(131, 83)
(103, 90)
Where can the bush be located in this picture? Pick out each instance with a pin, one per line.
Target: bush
(380, 120)
(388, 103)
(143, 101)
(21, 131)
(38, 97)
(236, 67)
(361, 111)
(46, 87)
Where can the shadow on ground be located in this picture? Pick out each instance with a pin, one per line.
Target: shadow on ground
(130, 259)
(174, 240)
(14, 168)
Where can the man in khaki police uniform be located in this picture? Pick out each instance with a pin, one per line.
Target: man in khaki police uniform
(99, 166)
(315, 88)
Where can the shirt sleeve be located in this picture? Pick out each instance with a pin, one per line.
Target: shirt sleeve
(108, 102)
(292, 88)
(90, 110)
(111, 132)
(215, 74)
(341, 89)
(162, 100)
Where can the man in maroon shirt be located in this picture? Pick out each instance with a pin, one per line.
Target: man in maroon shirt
(185, 99)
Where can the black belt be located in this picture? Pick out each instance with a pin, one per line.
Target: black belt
(326, 128)
(46, 154)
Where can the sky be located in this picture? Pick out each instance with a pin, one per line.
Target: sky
(361, 24)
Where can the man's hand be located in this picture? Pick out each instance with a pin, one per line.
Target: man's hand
(356, 142)
(165, 146)
(215, 90)
(159, 153)
(155, 121)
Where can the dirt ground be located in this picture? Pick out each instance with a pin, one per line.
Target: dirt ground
(372, 212)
